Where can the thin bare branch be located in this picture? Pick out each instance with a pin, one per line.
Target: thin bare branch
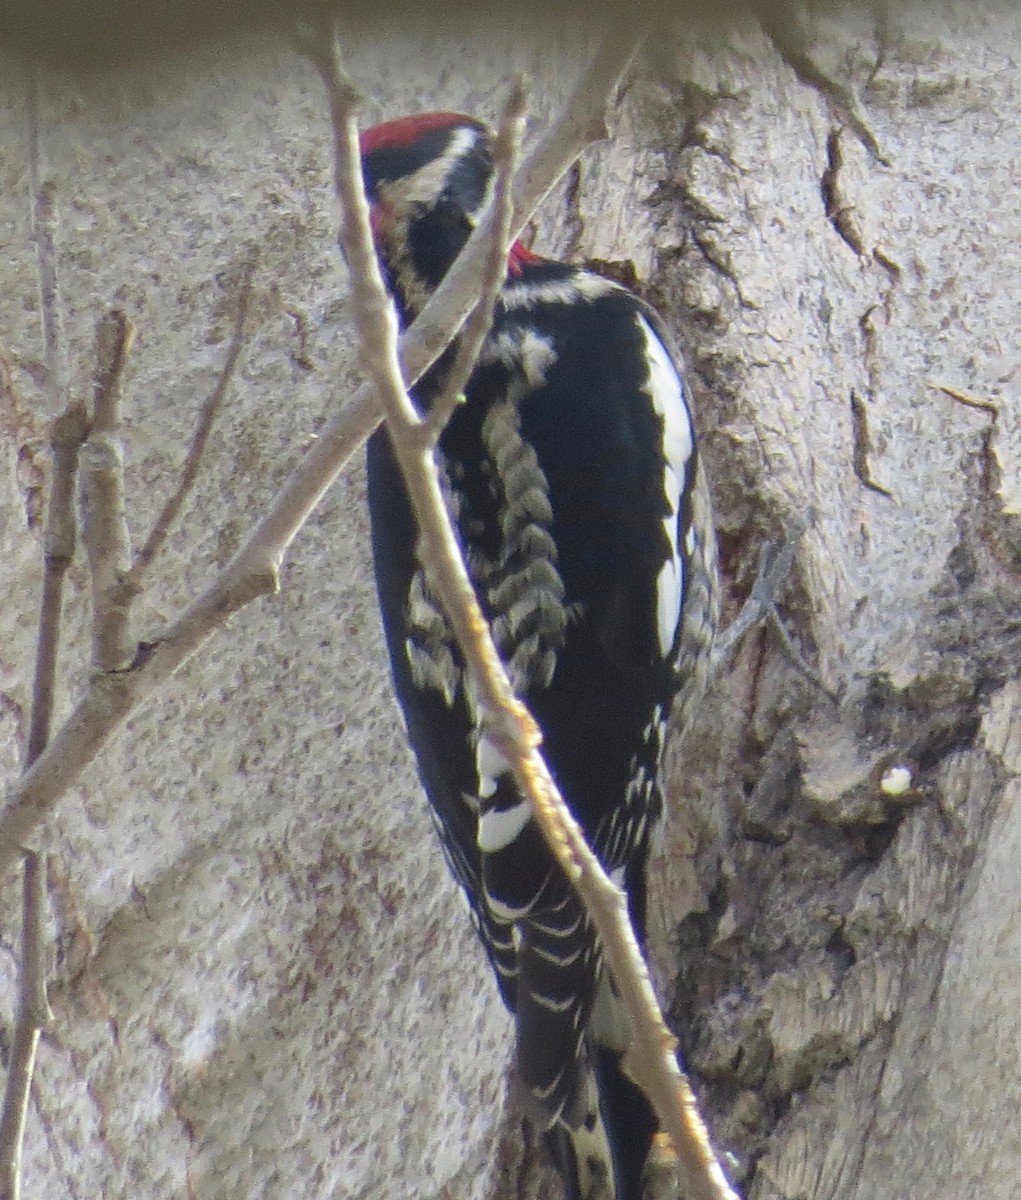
(68, 432)
(43, 224)
(66, 438)
(36, 1009)
(376, 318)
(104, 520)
(506, 149)
(115, 335)
(33, 1013)
(67, 435)
(253, 571)
(207, 415)
(651, 1060)
(581, 121)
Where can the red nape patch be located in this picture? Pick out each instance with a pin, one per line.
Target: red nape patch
(519, 258)
(406, 130)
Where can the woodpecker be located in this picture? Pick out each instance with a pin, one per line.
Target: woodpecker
(574, 481)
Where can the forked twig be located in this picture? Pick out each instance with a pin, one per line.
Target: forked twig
(111, 696)
(253, 570)
(68, 433)
(115, 582)
(651, 1060)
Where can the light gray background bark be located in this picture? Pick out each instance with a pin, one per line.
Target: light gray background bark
(281, 996)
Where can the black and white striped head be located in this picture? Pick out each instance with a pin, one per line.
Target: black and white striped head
(427, 179)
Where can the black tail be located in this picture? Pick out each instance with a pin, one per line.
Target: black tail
(604, 1157)
(630, 1121)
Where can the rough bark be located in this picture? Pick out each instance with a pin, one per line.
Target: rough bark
(264, 983)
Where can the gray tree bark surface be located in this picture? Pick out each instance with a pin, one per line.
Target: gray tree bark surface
(264, 983)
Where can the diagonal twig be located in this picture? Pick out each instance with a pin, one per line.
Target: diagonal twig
(207, 415)
(104, 520)
(43, 224)
(506, 149)
(652, 1060)
(66, 436)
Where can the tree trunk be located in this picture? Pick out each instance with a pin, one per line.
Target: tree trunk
(264, 984)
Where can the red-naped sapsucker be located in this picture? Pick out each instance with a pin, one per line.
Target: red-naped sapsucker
(577, 491)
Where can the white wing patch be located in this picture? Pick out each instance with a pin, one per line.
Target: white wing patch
(665, 390)
(499, 827)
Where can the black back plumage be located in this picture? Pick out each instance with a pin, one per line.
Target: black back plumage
(575, 486)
